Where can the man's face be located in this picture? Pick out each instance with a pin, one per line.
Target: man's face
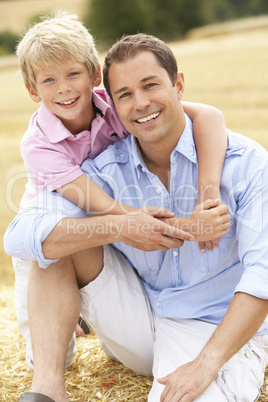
(146, 101)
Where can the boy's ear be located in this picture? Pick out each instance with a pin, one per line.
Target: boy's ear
(97, 77)
(33, 94)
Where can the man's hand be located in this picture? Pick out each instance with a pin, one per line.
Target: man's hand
(244, 317)
(187, 382)
(144, 230)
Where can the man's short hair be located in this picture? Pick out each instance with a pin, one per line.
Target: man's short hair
(130, 45)
(53, 41)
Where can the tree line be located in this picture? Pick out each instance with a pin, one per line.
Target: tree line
(108, 20)
(168, 19)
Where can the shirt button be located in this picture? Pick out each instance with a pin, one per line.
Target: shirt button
(175, 253)
(247, 354)
(158, 304)
(158, 190)
(122, 156)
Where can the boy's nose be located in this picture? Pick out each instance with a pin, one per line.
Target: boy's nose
(63, 87)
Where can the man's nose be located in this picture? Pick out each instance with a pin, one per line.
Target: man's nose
(141, 101)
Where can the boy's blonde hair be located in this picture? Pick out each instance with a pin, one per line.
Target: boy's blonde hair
(55, 40)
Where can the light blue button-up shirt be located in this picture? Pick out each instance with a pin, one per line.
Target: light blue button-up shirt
(183, 282)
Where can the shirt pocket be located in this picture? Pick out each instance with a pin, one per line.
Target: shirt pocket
(219, 258)
(147, 265)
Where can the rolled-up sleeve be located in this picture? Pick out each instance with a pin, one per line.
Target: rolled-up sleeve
(26, 233)
(252, 223)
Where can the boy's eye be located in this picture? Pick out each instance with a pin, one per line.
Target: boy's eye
(73, 74)
(48, 80)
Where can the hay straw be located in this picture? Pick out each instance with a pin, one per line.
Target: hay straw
(92, 377)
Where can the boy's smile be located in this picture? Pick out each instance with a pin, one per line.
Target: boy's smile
(68, 104)
(66, 90)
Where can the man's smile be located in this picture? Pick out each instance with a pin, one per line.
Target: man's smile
(149, 118)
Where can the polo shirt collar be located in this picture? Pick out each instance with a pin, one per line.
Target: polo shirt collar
(101, 105)
(51, 125)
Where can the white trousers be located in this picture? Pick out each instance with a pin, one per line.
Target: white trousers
(118, 310)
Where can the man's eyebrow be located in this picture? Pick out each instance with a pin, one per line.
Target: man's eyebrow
(150, 77)
(118, 91)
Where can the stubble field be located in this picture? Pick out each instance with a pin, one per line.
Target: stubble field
(228, 71)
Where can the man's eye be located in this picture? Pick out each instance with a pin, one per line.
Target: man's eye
(151, 85)
(124, 95)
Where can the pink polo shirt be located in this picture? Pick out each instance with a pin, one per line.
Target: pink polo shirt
(52, 155)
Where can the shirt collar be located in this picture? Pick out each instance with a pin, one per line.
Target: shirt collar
(51, 125)
(136, 152)
(101, 105)
(185, 146)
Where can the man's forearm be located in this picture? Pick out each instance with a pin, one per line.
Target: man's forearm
(71, 235)
(241, 322)
(137, 229)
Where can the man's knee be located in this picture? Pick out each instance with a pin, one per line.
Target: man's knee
(88, 264)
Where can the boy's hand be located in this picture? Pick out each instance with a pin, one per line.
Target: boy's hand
(209, 222)
(208, 192)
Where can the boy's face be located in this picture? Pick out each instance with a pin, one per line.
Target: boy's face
(146, 100)
(66, 90)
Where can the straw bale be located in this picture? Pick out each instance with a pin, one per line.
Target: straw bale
(92, 377)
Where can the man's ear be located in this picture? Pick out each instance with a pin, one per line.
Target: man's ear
(97, 77)
(33, 94)
(179, 84)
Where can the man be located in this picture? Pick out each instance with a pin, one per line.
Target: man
(196, 321)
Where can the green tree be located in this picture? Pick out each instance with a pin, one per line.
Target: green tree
(220, 10)
(8, 42)
(109, 20)
(173, 18)
(169, 19)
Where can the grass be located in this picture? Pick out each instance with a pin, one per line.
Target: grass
(229, 72)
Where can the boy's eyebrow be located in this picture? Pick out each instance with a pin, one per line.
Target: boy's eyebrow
(150, 77)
